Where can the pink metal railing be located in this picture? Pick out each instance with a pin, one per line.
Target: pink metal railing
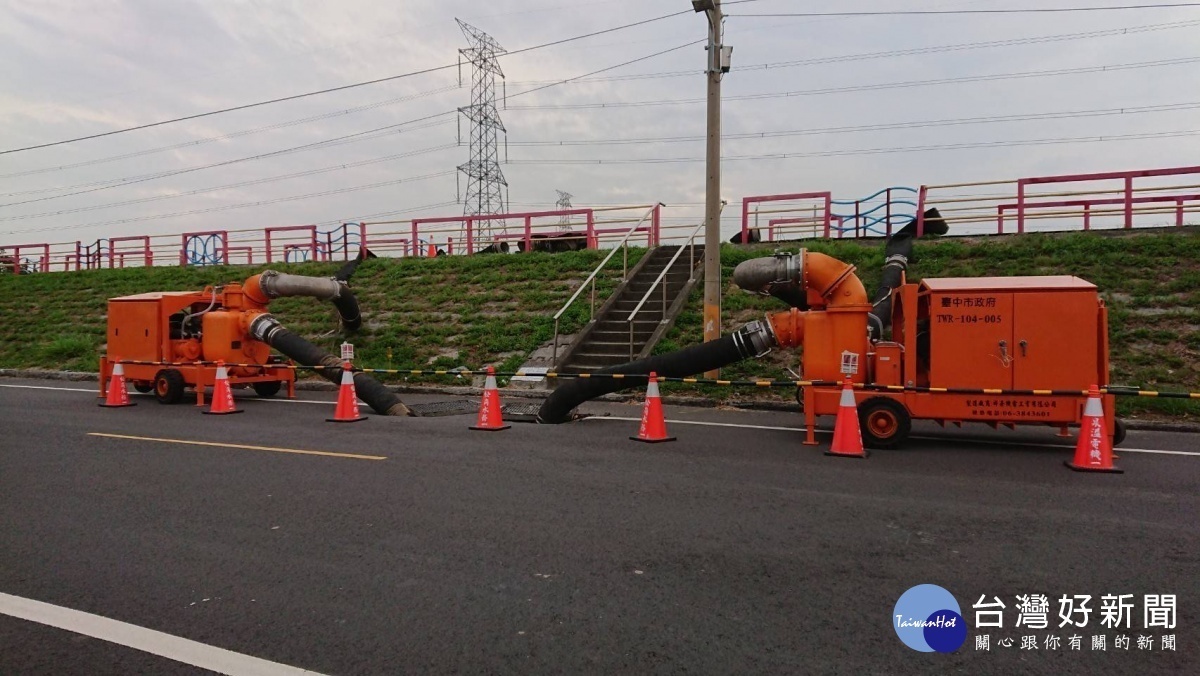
(1130, 199)
(824, 219)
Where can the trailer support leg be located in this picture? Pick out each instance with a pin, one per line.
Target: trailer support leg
(103, 376)
(810, 417)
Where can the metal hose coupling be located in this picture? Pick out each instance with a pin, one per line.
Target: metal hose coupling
(760, 274)
(754, 339)
(264, 327)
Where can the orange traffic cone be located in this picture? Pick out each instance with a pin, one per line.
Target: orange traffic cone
(1093, 452)
(431, 252)
(222, 397)
(118, 394)
(653, 429)
(347, 403)
(490, 419)
(847, 434)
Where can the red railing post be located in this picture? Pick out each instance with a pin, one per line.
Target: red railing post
(1128, 201)
(921, 194)
(656, 222)
(829, 214)
(1179, 213)
(856, 219)
(528, 234)
(745, 219)
(1000, 219)
(267, 233)
(591, 230)
(416, 245)
(1021, 206)
(1087, 217)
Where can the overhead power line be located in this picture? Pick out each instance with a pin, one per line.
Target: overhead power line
(224, 137)
(228, 207)
(337, 140)
(914, 51)
(887, 126)
(360, 135)
(877, 151)
(918, 12)
(239, 184)
(872, 87)
(329, 90)
(369, 134)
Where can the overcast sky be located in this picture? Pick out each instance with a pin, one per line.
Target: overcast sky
(78, 67)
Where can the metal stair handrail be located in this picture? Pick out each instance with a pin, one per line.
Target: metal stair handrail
(591, 279)
(690, 243)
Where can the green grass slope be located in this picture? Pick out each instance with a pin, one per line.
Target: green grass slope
(441, 312)
(458, 311)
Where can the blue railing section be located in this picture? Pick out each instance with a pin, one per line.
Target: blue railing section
(204, 250)
(875, 214)
(328, 245)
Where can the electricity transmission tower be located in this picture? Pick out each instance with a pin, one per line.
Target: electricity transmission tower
(486, 187)
(563, 203)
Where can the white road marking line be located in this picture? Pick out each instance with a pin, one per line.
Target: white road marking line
(96, 391)
(799, 430)
(154, 642)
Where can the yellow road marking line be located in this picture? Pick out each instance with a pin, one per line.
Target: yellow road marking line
(189, 442)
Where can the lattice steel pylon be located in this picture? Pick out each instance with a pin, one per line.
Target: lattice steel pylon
(487, 188)
(564, 203)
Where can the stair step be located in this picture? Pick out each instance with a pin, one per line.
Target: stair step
(599, 360)
(639, 324)
(618, 336)
(609, 346)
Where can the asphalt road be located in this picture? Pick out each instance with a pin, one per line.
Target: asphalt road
(566, 549)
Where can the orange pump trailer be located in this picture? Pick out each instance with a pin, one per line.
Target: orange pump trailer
(150, 327)
(997, 334)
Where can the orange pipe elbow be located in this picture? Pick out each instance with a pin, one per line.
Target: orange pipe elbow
(833, 280)
(253, 291)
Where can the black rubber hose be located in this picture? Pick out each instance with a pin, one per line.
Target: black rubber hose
(345, 272)
(898, 252)
(347, 307)
(680, 364)
(382, 400)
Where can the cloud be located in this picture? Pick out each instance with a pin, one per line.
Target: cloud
(88, 67)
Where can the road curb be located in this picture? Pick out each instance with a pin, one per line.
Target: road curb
(693, 402)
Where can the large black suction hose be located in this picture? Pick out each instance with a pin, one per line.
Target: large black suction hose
(281, 285)
(752, 340)
(897, 253)
(382, 400)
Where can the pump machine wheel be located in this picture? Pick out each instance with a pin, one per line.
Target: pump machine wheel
(267, 388)
(885, 422)
(168, 386)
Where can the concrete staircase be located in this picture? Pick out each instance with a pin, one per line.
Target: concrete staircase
(605, 340)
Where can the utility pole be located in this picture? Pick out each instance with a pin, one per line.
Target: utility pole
(718, 65)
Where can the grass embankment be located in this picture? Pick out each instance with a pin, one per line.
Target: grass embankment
(418, 313)
(459, 311)
(1150, 282)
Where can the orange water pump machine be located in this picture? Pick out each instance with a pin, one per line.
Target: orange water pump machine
(180, 335)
